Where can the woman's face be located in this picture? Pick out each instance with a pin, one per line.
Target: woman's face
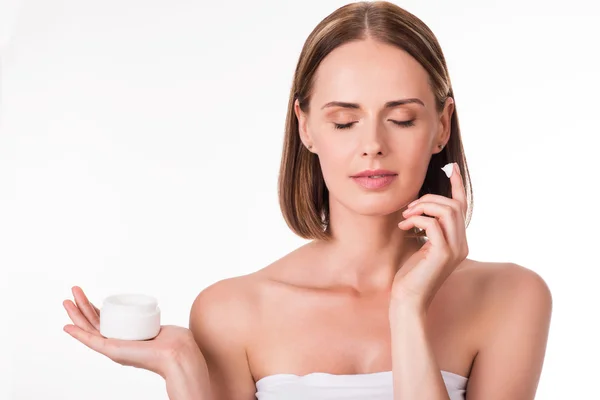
(372, 132)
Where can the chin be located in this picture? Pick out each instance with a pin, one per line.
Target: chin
(375, 206)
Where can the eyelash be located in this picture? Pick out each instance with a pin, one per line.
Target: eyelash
(404, 124)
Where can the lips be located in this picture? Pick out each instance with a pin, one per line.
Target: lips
(378, 176)
(374, 173)
(372, 182)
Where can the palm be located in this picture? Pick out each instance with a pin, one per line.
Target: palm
(143, 353)
(148, 354)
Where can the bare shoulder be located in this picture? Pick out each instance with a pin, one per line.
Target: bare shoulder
(495, 288)
(491, 294)
(513, 329)
(227, 306)
(518, 294)
(220, 319)
(504, 281)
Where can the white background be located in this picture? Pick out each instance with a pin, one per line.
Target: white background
(140, 144)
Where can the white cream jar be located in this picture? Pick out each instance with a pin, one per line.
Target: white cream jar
(130, 317)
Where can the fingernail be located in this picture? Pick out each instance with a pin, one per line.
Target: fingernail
(448, 168)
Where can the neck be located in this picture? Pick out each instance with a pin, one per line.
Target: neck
(366, 251)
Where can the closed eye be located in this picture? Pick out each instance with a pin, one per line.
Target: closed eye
(403, 123)
(399, 123)
(343, 126)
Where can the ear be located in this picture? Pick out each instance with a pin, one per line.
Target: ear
(445, 124)
(303, 126)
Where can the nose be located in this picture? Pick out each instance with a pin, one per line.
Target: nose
(373, 142)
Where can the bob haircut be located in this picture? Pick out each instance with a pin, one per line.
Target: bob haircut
(303, 195)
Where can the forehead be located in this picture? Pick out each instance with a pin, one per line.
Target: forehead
(370, 73)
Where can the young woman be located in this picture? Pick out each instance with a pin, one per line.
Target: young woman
(382, 303)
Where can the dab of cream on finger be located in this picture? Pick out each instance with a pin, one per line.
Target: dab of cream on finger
(448, 168)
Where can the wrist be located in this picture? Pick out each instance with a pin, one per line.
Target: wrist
(186, 375)
(184, 356)
(404, 311)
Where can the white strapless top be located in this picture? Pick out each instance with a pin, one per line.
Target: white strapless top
(325, 386)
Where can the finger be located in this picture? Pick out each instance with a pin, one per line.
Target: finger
(125, 352)
(88, 310)
(458, 189)
(94, 342)
(448, 217)
(77, 317)
(435, 198)
(439, 210)
(432, 229)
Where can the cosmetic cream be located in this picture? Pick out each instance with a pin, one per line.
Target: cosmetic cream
(448, 168)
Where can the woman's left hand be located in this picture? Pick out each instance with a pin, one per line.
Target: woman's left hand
(420, 277)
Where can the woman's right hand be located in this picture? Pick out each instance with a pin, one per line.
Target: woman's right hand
(157, 355)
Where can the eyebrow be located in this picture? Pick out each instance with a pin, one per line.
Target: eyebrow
(389, 104)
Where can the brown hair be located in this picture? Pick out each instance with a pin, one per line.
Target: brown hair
(303, 196)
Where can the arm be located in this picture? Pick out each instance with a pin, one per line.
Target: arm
(187, 377)
(509, 362)
(415, 372)
(220, 321)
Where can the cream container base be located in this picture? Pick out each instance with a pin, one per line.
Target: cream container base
(130, 317)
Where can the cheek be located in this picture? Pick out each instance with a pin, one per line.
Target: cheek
(412, 151)
(334, 162)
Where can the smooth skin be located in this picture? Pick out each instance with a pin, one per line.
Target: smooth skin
(325, 306)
